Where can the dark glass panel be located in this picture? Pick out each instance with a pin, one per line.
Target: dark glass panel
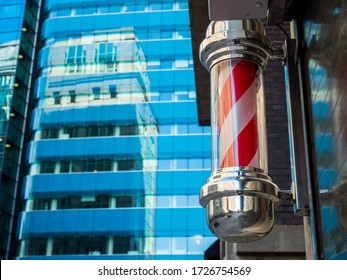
(129, 130)
(65, 166)
(47, 167)
(36, 247)
(78, 166)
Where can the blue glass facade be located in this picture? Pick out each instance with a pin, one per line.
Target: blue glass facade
(17, 38)
(117, 157)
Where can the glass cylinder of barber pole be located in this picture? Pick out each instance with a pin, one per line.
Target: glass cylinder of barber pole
(238, 115)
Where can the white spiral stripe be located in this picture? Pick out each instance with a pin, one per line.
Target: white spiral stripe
(255, 161)
(223, 77)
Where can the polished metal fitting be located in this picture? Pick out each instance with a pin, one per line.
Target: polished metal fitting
(240, 203)
(236, 39)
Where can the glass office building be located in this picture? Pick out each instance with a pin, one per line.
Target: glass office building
(116, 158)
(18, 21)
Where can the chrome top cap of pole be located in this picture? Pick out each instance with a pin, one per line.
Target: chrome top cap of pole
(231, 39)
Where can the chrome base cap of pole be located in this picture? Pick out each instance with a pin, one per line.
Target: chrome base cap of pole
(240, 203)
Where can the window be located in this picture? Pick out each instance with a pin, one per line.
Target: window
(194, 128)
(72, 95)
(181, 163)
(84, 245)
(89, 131)
(88, 201)
(96, 93)
(165, 129)
(164, 164)
(75, 59)
(90, 166)
(104, 165)
(195, 163)
(77, 166)
(80, 61)
(182, 128)
(93, 165)
(105, 57)
(70, 202)
(63, 246)
(36, 247)
(92, 245)
(104, 130)
(80, 132)
(125, 201)
(42, 204)
(65, 166)
(111, 66)
(70, 59)
(50, 133)
(129, 130)
(57, 98)
(93, 131)
(69, 131)
(124, 165)
(113, 91)
(124, 244)
(98, 165)
(47, 167)
(99, 201)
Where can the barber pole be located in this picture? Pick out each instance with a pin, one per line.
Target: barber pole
(239, 197)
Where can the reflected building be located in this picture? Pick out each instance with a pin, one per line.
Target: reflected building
(327, 88)
(116, 156)
(88, 80)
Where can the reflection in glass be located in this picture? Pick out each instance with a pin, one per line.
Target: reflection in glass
(328, 87)
(108, 177)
